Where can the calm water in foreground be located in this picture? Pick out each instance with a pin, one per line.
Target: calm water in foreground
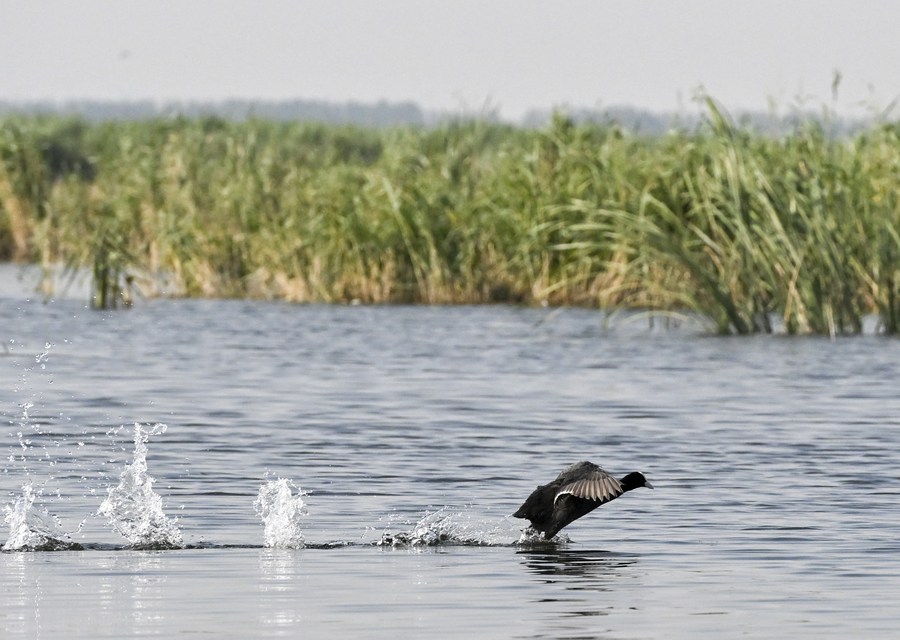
(776, 463)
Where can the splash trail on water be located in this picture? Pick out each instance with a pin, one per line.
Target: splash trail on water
(450, 527)
(133, 508)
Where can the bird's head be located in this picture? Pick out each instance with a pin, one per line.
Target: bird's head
(634, 480)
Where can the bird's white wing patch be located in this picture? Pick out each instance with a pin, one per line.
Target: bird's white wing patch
(598, 485)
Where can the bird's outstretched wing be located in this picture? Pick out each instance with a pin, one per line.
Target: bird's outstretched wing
(598, 485)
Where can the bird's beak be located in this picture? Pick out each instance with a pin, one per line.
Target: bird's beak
(648, 485)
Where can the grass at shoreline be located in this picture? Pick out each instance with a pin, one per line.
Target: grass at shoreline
(733, 225)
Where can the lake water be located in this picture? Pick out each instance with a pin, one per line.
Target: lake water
(776, 463)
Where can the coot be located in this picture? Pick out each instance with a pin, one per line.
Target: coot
(578, 490)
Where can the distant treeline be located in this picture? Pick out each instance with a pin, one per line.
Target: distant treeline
(797, 232)
(393, 114)
(379, 114)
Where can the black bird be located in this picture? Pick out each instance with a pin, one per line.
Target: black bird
(578, 490)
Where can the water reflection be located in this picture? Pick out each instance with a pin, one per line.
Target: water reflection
(577, 570)
(577, 586)
(24, 596)
(279, 598)
(133, 584)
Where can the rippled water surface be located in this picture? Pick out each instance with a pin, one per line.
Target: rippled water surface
(776, 463)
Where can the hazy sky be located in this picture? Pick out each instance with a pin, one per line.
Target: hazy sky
(456, 55)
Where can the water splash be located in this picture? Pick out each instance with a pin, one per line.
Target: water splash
(133, 508)
(533, 538)
(448, 526)
(281, 508)
(34, 528)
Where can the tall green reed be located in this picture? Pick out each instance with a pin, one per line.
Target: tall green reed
(749, 231)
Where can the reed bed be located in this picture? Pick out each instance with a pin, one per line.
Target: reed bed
(799, 232)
